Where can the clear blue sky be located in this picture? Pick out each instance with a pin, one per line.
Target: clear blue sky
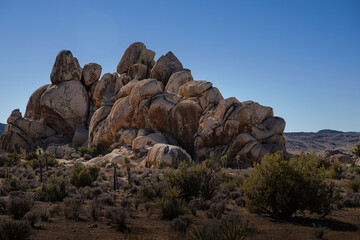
(301, 57)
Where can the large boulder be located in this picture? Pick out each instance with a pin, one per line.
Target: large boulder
(64, 107)
(106, 89)
(130, 57)
(23, 133)
(91, 73)
(164, 155)
(66, 68)
(177, 80)
(33, 109)
(165, 66)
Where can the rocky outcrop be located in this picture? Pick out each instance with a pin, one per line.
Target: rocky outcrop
(64, 107)
(66, 68)
(23, 133)
(33, 109)
(153, 109)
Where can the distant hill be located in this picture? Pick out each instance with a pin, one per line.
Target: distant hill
(2, 127)
(320, 141)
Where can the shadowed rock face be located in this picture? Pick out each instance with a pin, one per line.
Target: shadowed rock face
(150, 103)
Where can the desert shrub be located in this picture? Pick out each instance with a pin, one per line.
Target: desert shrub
(355, 184)
(3, 206)
(281, 187)
(35, 162)
(200, 180)
(9, 160)
(14, 230)
(230, 228)
(14, 184)
(32, 217)
(82, 176)
(180, 224)
(19, 206)
(356, 149)
(43, 214)
(31, 156)
(149, 192)
(106, 199)
(52, 191)
(54, 209)
(149, 209)
(171, 205)
(95, 210)
(355, 170)
(336, 170)
(117, 215)
(91, 151)
(351, 200)
(72, 208)
(216, 210)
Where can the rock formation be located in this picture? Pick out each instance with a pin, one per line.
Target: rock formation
(156, 109)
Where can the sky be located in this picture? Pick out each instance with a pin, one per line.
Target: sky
(301, 57)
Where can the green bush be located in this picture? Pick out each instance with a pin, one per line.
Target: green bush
(355, 184)
(52, 191)
(356, 149)
(31, 156)
(336, 170)
(15, 184)
(201, 180)
(81, 176)
(281, 187)
(52, 162)
(91, 151)
(9, 160)
(171, 205)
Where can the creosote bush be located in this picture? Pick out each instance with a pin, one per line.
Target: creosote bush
(53, 190)
(73, 208)
(14, 230)
(280, 187)
(117, 215)
(90, 151)
(355, 184)
(201, 180)
(356, 149)
(82, 176)
(18, 206)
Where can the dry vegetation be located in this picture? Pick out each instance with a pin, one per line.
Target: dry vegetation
(204, 201)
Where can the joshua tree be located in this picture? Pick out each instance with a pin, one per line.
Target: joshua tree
(40, 153)
(115, 178)
(127, 163)
(224, 161)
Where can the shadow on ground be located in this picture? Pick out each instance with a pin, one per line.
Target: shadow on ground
(331, 224)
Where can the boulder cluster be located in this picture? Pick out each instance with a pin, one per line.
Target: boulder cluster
(153, 109)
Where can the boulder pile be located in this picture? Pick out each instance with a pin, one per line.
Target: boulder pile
(153, 108)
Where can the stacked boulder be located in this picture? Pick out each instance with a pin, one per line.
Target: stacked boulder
(155, 109)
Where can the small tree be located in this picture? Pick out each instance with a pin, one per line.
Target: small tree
(81, 176)
(280, 187)
(356, 150)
